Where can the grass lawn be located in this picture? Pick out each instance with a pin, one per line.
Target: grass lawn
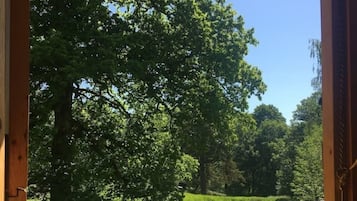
(196, 197)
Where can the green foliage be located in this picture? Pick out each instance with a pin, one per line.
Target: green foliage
(222, 174)
(186, 168)
(267, 112)
(284, 157)
(308, 181)
(305, 147)
(117, 158)
(270, 135)
(266, 154)
(120, 90)
(315, 53)
(246, 156)
(258, 154)
(309, 110)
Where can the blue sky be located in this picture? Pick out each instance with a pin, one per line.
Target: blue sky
(283, 29)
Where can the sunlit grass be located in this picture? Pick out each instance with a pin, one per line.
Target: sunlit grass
(197, 197)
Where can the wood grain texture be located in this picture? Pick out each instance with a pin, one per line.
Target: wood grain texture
(2, 96)
(17, 147)
(339, 62)
(352, 95)
(328, 101)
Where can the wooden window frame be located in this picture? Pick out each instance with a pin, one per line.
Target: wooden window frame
(339, 89)
(3, 83)
(14, 72)
(14, 90)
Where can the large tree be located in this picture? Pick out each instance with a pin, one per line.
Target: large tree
(246, 157)
(306, 141)
(139, 58)
(71, 44)
(267, 112)
(304, 130)
(220, 91)
(308, 179)
(257, 153)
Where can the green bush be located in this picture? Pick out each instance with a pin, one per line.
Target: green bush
(284, 199)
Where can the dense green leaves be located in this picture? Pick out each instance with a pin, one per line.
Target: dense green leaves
(307, 137)
(258, 153)
(267, 112)
(309, 110)
(120, 90)
(308, 179)
(271, 129)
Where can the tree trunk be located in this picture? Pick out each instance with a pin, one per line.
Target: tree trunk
(62, 147)
(203, 175)
(252, 184)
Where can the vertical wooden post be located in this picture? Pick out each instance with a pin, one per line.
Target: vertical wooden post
(328, 102)
(352, 95)
(339, 63)
(3, 52)
(2, 99)
(17, 142)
